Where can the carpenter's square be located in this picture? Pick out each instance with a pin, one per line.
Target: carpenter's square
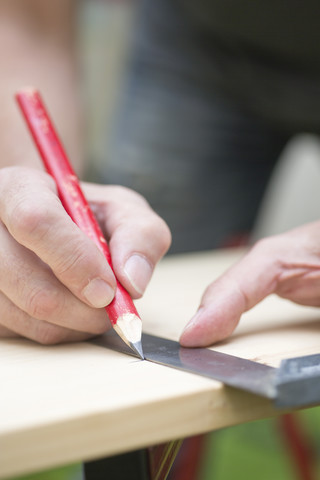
(296, 383)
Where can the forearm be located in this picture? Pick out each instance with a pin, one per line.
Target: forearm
(37, 47)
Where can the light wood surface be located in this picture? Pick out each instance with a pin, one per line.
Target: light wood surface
(78, 402)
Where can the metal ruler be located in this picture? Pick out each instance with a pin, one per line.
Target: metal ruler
(296, 383)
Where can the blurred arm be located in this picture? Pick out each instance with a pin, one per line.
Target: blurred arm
(37, 47)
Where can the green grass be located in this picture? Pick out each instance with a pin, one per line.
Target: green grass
(65, 473)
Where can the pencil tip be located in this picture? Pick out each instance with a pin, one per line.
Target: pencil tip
(128, 327)
(137, 348)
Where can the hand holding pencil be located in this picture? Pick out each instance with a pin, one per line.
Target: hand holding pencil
(49, 291)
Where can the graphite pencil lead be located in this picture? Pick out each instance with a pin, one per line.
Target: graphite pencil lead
(137, 348)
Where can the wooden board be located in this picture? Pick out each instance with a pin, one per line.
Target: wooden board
(78, 402)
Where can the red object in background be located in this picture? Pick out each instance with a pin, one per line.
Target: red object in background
(189, 459)
(298, 445)
(161, 458)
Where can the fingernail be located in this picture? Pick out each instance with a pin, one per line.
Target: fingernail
(194, 320)
(98, 293)
(139, 272)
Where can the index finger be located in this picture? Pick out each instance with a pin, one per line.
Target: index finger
(240, 288)
(137, 236)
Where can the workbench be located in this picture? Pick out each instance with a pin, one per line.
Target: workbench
(78, 402)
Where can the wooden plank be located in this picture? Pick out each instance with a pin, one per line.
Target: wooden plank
(78, 402)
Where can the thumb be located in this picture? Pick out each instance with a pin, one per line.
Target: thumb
(240, 288)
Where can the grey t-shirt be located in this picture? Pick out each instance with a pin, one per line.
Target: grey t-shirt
(265, 53)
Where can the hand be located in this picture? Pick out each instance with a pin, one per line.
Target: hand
(286, 264)
(54, 281)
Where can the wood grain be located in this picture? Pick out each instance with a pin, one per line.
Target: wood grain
(70, 403)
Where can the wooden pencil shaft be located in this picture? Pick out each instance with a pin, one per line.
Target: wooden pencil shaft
(58, 166)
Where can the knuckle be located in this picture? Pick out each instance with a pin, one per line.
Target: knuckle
(67, 265)
(267, 244)
(48, 334)
(158, 231)
(126, 194)
(261, 247)
(29, 220)
(44, 303)
(23, 211)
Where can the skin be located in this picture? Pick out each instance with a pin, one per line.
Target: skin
(287, 265)
(54, 282)
(37, 48)
(47, 263)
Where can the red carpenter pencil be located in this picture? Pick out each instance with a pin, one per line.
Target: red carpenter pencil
(121, 311)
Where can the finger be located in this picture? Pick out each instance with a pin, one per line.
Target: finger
(15, 322)
(225, 300)
(302, 287)
(7, 333)
(33, 214)
(138, 237)
(32, 287)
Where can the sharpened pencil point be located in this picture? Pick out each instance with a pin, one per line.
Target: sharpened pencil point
(128, 327)
(137, 347)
